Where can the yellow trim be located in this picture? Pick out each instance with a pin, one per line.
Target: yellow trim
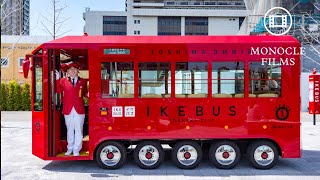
(82, 153)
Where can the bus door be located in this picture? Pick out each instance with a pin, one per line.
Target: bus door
(57, 131)
(43, 135)
(54, 106)
(39, 143)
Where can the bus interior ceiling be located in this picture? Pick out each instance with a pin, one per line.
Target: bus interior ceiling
(79, 56)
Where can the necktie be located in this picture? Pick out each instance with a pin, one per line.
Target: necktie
(73, 82)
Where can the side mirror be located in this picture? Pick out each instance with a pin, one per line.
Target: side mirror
(26, 67)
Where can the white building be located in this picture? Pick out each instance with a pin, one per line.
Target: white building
(169, 17)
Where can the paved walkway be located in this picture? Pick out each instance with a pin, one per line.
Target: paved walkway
(17, 161)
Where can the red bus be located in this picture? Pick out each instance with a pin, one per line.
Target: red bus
(227, 96)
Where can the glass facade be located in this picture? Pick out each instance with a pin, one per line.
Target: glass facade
(17, 17)
(301, 6)
(114, 25)
(169, 26)
(196, 26)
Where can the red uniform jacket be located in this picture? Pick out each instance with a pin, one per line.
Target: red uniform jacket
(72, 96)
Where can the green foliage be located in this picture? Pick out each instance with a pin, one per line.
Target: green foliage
(15, 97)
(26, 97)
(86, 101)
(10, 101)
(3, 97)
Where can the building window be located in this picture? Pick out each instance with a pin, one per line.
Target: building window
(191, 79)
(196, 26)
(20, 61)
(117, 80)
(265, 80)
(114, 25)
(4, 62)
(136, 32)
(154, 80)
(169, 26)
(227, 79)
(137, 21)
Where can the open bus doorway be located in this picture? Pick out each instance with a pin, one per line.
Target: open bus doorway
(58, 61)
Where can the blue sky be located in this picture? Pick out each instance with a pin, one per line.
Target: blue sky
(41, 10)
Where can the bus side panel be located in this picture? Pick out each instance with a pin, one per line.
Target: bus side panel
(203, 118)
(292, 102)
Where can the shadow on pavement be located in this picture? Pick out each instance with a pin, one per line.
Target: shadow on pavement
(308, 165)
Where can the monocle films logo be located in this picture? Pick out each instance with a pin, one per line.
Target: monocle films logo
(278, 21)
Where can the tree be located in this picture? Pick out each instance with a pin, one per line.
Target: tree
(10, 100)
(17, 97)
(26, 97)
(3, 97)
(308, 33)
(57, 21)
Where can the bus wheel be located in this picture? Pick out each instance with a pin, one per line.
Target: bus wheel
(148, 154)
(224, 154)
(111, 155)
(186, 154)
(262, 154)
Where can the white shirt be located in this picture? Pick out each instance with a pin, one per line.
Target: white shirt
(75, 80)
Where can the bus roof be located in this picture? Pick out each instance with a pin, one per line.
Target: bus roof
(85, 40)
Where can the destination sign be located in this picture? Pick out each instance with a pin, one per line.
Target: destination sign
(116, 51)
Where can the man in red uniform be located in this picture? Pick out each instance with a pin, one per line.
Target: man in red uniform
(73, 89)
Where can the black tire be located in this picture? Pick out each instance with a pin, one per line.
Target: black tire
(227, 165)
(122, 152)
(155, 145)
(251, 150)
(175, 150)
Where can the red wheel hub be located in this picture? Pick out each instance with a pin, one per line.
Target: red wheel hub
(225, 155)
(187, 155)
(148, 155)
(264, 155)
(110, 155)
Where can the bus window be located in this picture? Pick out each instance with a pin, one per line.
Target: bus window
(38, 104)
(117, 80)
(191, 80)
(265, 80)
(227, 79)
(154, 80)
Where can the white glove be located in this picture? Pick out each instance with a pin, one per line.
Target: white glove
(57, 75)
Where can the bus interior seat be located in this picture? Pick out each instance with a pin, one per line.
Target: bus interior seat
(268, 95)
(241, 95)
(197, 95)
(150, 95)
(180, 96)
(222, 95)
(126, 96)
